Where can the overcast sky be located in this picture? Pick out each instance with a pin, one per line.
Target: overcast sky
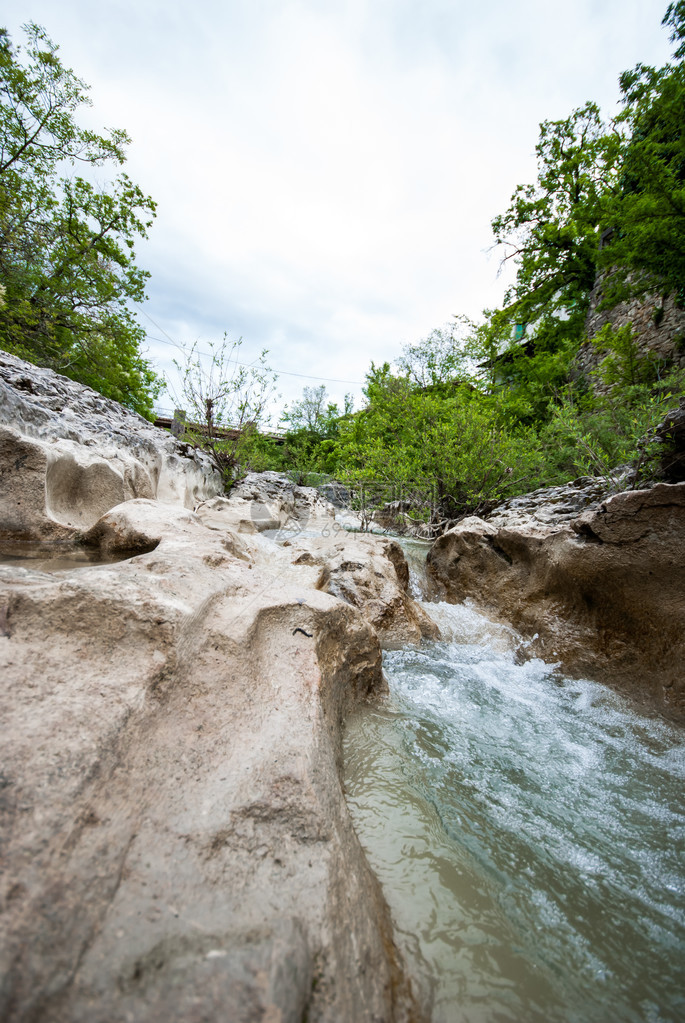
(327, 170)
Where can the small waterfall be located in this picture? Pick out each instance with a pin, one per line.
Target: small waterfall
(415, 552)
(528, 831)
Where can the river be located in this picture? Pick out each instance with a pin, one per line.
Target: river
(528, 830)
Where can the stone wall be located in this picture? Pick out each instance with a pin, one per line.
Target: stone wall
(657, 322)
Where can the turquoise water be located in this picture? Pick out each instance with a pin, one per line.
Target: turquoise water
(528, 831)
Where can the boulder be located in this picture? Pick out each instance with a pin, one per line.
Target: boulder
(602, 593)
(264, 501)
(370, 573)
(670, 433)
(176, 844)
(68, 455)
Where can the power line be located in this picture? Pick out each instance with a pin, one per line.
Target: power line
(243, 365)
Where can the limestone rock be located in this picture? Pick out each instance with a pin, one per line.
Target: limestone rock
(370, 573)
(267, 501)
(603, 593)
(68, 455)
(176, 844)
(550, 507)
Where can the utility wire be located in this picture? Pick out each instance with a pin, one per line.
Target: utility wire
(278, 372)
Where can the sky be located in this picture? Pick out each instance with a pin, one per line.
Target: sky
(326, 170)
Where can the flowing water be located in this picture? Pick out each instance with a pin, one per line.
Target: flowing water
(528, 831)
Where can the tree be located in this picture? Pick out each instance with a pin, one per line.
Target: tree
(66, 244)
(422, 441)
(646, 251)
(441, 358)
(314, 413)
(225, 400)
(551, 227)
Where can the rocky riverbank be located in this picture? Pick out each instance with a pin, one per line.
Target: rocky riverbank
(175, 839)
(176, 844)
(597, 584)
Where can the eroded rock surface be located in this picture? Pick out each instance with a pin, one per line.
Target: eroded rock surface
(68, 455)
(174, 837)
(370, 573)
(603, 592)
(176, 844)
(264, 501)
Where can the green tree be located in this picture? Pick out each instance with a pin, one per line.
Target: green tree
(314, 413)
(551, 227)
(454, 446)
(440, 358)
(647, 247)
(66, 244)
(310, 446)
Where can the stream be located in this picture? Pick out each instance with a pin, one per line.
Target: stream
(528, 831)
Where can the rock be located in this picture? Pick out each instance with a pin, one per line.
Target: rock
(602, 593)
(671, 433)
(551, 507)
(176, 844)
(68, 455)
(370, 573)
(267, 501)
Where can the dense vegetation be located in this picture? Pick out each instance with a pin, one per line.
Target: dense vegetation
(476, 412)
(67, 266)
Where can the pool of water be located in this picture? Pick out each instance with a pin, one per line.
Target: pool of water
(58, 557)
(528, 831)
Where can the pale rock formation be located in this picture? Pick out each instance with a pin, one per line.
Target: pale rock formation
(268, 501)
(602, 592)
(68, 455)
(371, 573)
(174, 837)
(176, 844)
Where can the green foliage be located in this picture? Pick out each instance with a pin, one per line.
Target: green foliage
(623, 363)
(309, 447)
(550, 228)
(526, 375)
(457, 444)
(441, 358)
(66, 244)
(647, 248)
(607, 434)
(314, 413)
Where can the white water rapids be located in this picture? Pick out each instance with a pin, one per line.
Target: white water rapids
(528, 831)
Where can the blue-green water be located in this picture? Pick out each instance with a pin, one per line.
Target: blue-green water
(529, 833)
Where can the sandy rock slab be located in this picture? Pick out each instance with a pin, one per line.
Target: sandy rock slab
(266, 501)
(175, 840)
(602, 593)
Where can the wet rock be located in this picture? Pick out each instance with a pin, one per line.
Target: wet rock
(68, 455)
(370, 573)
(603, 592)
(175, 840)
